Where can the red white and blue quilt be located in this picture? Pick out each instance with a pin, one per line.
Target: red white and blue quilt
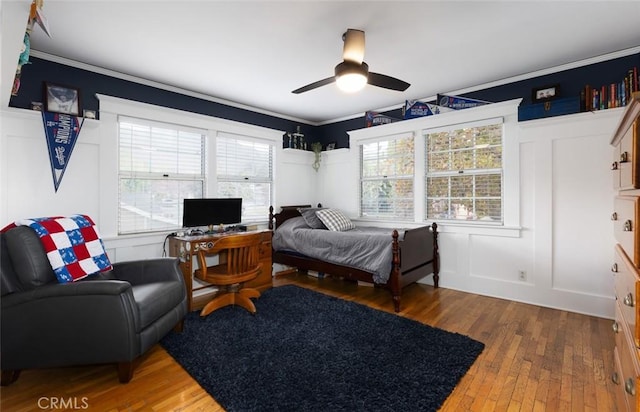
(73, 245)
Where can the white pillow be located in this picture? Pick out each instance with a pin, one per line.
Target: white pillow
(335, 220)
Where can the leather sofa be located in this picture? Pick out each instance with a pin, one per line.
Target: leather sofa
(110, 317)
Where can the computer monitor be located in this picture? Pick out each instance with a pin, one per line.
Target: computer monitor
(214, 211)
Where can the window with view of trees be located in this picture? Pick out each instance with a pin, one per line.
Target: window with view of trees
(244, 168)
(464, 175)
(159, 165)
(387, 176)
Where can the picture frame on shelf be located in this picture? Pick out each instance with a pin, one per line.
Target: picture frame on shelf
(331, 145)
(544, 93)
(63, 99)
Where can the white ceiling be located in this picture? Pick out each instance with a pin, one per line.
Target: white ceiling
(254, 53)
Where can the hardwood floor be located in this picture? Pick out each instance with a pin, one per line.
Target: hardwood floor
(535, 359)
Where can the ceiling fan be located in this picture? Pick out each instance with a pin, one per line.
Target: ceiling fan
(353, 73)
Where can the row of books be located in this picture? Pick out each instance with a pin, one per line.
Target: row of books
(610, 96)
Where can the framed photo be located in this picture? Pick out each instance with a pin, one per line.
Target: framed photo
(331, 146)
(61, 99)
(541, 94)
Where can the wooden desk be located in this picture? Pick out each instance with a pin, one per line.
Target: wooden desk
(199, 292)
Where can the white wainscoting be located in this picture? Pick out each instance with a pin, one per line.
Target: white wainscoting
(563, 238)
(562, 241)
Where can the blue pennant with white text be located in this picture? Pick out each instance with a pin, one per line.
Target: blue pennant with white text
(61, 131)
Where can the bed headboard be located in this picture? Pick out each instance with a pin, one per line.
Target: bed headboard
(286, 213)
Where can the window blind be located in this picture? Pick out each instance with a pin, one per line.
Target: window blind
(159, 164)
(244, 168)
(464, 173)
(387, 175)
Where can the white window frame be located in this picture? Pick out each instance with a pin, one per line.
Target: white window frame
(112, 107)
(160, 176)
(397, 177)
(508, 110)
(475, 172)
(246, 178)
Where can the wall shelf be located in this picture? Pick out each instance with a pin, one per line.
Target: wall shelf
(28, 113)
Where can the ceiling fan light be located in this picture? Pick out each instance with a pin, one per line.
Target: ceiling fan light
(351, 77)
(351, 82)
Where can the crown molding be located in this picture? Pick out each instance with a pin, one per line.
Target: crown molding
(507, 80)
(513, 79)
(159, 85)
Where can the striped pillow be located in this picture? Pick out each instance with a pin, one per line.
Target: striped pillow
(335, 220)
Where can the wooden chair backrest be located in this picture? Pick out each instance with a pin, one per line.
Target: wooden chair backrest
(242, 252)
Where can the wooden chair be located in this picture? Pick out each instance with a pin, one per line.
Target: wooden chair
(238, 263)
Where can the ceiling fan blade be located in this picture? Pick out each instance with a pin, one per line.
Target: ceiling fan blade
(353, 50)
(387, 82)
(314, 85)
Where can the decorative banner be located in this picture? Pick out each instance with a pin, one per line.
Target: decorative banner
(376, 119)
(457, 102)
(415, 108)
(61, 132)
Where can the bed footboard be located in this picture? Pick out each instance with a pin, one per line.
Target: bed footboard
(415, 257)
(419, 252)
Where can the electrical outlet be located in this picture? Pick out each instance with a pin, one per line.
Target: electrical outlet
(522, 275)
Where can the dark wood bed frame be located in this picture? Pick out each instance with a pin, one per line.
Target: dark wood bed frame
(414, 257)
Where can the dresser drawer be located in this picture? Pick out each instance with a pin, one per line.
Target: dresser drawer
(625, 219)
(625, 162)
(617, 379)
(629, 365)
(627, 286)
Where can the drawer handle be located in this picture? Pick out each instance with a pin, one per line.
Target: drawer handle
(624, 157)
(614, 268)
(628, 300)
(629, 387)
(615, 379)
(627, 226)
(616, 327)
(614, 166)
(614, 216)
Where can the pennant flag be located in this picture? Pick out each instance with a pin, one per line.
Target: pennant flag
(61, 132)
(457, 102)
(376, 119)
(415, 108)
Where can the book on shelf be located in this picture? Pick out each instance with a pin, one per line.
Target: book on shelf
(612, 95)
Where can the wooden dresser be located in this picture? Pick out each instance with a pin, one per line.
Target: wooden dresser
(626, 266)
(198, 292)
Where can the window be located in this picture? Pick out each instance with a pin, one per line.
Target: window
(386, 181)
(244, 168)
(160, 164)
(464, 176)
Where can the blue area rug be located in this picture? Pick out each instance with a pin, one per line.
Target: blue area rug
(305, 351)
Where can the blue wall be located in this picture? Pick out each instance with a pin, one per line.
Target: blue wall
(90, 83)
(571, 83)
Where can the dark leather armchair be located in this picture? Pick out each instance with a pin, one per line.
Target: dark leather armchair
(110, 317)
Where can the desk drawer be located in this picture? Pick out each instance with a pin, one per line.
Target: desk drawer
(627, 286)
(629, 365)
(265, 250)
(625, 220)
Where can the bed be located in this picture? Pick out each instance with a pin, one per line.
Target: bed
(375, 255)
